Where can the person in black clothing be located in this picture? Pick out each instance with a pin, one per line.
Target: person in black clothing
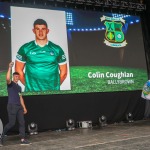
(16, 107)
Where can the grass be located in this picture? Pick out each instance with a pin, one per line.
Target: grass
(80, 83)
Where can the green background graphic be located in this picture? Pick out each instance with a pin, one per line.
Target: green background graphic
(80, 83)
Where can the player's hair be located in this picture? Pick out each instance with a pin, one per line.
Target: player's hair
(16, 73)
(40, 22)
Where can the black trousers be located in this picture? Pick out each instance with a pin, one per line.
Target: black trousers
(15, 112)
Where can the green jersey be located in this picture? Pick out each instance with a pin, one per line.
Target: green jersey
(41, 65)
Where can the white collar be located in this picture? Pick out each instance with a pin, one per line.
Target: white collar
(41, 45)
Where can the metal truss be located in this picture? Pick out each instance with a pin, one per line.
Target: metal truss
(136, 5)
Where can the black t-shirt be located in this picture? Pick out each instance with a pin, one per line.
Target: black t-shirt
(13, 93)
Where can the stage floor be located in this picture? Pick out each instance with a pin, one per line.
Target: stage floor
(117, 136)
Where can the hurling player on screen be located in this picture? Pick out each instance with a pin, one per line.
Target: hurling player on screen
(44, 61)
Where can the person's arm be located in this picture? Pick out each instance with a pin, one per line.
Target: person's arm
(63, 72)
(23, 104)
(19, 67)
(8, 75)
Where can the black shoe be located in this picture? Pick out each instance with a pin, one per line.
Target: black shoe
(25, 142)
(1, 142)
(2, 139)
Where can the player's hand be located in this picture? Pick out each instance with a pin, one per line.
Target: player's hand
(11, 64)
(25, 111)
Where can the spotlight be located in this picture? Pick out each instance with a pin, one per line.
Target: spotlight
(129, 117)
(70, 124)
(33, 128)
(102, 121)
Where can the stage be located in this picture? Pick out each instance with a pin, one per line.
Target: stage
(117, 136)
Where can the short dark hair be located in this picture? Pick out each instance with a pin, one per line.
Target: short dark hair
(40, 22)
(16, 73)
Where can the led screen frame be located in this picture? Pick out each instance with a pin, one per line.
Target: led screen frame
(94, 65)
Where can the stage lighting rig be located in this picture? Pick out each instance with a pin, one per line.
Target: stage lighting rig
(134, 5)
(102, 121)
(70, 124)
(129, 117)
(33, 128)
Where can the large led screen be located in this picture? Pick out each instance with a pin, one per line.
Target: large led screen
(101, 52)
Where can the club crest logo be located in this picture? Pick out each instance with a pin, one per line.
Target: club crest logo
(51, 53)
(114, 36)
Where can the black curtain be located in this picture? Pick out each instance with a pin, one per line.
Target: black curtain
(52, 111)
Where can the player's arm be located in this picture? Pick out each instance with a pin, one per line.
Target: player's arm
(19, 67)
(23, 104)
(8, 75)
(63, 72)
